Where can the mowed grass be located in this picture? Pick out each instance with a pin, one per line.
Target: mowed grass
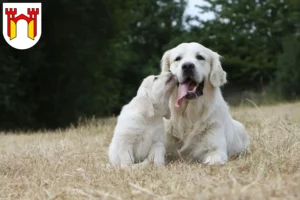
(69, 164)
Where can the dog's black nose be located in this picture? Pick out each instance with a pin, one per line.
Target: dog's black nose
(188, 68)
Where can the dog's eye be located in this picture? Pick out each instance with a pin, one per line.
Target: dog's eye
(177, 58)
(155, 79)
(199, 57)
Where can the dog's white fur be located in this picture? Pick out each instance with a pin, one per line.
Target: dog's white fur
(204, 129)
(139, 135)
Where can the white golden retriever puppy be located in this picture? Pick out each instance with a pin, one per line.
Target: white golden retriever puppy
(201, 127)
(139, 135)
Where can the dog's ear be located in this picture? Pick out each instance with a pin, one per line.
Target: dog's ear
(217, 74)
(144, 105)
(165, 62)
(142, 100)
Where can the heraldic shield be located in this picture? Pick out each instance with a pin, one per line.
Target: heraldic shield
(22, 24)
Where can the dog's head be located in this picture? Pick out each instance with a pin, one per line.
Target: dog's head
(192, 64)
(157, 91)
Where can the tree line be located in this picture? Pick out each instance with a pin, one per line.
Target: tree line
(93, 54)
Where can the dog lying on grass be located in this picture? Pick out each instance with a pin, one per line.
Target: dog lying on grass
(139, 135)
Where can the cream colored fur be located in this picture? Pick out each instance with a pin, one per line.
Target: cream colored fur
(202, 129)
(139, 135)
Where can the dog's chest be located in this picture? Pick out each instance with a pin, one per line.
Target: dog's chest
(184, 127)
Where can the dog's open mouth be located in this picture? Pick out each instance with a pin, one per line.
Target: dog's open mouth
(189, 89)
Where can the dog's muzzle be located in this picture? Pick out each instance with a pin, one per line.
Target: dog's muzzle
(188, 69)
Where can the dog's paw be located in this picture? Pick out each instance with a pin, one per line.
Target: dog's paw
(215, 159)
(109, 166)
(159, 164)
(126, 166)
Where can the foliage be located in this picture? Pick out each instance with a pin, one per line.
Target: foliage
(248, 34)
(286, 83)
(89, 62)
(93, 54)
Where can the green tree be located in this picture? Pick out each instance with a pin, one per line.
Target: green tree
(147, 29)
(248, 34)
(89, 61)
(286, 83)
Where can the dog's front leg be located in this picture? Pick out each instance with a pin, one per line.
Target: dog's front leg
(157, 154)
(216, 151)
(126, 154)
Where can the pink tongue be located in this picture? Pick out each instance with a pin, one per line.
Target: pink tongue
(182, 91)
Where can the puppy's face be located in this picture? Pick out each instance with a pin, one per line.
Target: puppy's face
(158, 90)
(192, 64)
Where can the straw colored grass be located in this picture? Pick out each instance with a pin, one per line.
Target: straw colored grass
(69, 164)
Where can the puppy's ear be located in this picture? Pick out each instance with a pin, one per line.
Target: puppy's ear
(165, 62)
(217, 74)
(144, 106)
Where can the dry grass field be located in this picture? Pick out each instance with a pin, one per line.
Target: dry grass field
(68, 164)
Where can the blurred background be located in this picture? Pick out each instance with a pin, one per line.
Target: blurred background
(93, 54)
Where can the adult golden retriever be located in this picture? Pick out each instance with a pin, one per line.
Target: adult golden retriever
(201, 127)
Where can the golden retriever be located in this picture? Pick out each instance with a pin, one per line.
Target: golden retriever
(201, 127)
(139, 135)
